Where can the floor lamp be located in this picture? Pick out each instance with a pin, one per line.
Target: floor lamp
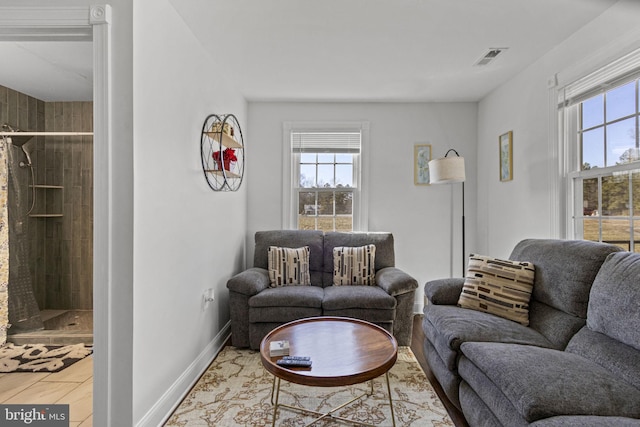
(448, 170)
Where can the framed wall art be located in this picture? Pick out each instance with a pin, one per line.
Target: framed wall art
(421, 157)
(506, 156)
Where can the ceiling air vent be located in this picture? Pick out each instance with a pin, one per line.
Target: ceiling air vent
(490, 55)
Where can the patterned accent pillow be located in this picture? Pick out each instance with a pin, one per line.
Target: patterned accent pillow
(288, 266)
(499, 287)
(354, 266)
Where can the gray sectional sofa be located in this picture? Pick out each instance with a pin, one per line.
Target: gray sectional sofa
(257, 308)
(576, 364)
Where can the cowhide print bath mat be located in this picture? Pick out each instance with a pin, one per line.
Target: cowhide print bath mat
(40, 357)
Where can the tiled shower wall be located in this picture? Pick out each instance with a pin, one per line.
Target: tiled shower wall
(61, 248)
(23, 111)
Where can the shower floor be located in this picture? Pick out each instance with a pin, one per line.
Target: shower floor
(61, 327)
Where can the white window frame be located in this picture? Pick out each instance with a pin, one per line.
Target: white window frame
(568, 98)
(290, 171)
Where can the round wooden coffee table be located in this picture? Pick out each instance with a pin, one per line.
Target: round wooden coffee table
(343, 352)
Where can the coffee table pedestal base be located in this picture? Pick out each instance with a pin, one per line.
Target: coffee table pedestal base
(275, 389)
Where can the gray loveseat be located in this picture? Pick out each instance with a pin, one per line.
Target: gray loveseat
(578, 362)
(257, 308)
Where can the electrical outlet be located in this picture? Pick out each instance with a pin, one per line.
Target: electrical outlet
(207, 297)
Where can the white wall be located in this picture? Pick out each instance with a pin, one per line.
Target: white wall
(187, 238)
(529, 205)
(420, 217)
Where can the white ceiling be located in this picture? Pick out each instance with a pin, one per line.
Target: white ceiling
(49, 71)
(379, 50)
(337, 50)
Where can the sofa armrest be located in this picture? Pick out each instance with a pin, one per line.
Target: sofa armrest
(444, 291)
(395, 281)
(249, 282)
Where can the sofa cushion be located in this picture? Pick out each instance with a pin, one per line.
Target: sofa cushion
(285, 304)
(354, 265)
(280, 315)
(369, 297)
(447, 327)
(555, 325)
(541, 382)
(500, 287)
(586, 421)
(449, 380)
(565, 270)
(288, 266)
(291, 239)
(619, 358)
(289, 296)
(384, 249)
(476, 411)
(615, 298)
(369, 303)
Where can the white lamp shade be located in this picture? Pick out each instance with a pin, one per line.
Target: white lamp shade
(446, 170)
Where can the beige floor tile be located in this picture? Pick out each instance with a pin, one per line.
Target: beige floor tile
(14, 383)
(72, 386)
(80, 401)
(43, 393)
(79, 372)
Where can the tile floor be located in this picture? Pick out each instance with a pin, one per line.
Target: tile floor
(73, 386)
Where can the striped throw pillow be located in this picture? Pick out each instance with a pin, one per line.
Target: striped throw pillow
(499, 287)
(288, 266)
(354, 266)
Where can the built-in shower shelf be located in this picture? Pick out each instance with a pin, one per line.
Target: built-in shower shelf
(46, 186)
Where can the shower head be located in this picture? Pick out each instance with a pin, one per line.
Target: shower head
(16, 140)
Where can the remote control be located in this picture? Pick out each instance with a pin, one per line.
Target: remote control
(289, 363)
(297, 358)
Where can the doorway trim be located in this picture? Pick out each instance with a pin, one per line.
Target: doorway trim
(88, 23)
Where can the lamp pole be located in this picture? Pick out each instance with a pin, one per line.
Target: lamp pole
(448, 170)
(463, 219)
(463, 232)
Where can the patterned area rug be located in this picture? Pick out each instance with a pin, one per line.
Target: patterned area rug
(236, 391)
(39, 357)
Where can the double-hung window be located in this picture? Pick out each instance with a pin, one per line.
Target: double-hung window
(325, 185)
(601, 117)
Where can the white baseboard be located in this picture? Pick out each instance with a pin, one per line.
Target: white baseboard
(164, 407)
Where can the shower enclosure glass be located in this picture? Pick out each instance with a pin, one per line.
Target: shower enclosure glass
(49, 193)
